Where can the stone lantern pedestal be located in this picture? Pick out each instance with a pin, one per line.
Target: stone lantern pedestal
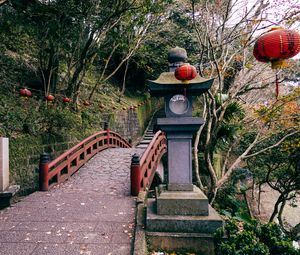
(6, 191)
(180, 216)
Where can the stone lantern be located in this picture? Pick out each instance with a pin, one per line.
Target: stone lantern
(179, 197)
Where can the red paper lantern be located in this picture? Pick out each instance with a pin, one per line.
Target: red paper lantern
(50, 98)
(185, 73)
(277, 45)
(66, 100)
(25, 93)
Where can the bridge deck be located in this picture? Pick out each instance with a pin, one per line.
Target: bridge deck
(91, 213)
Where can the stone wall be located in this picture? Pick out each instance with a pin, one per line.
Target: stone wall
(24, 161)
(131, 124)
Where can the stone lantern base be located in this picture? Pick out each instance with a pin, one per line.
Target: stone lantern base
(187, 203)
(7, 195)
(179, 220)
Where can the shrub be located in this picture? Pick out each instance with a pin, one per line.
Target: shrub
(252, 239)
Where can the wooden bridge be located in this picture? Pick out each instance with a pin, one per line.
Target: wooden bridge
(87, 201)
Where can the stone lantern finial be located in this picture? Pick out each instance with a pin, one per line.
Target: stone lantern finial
(176, 57)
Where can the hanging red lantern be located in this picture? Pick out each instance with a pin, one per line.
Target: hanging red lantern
(25, 92)
(276, 46)
(185, 73)
(50, 98)
(66, 100)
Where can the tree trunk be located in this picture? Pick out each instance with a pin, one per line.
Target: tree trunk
(212, 195)
(2, 2)
(124, 78)
(280, 212)
(73, 86)
(197, 169)
(259, 197)
(276, 206)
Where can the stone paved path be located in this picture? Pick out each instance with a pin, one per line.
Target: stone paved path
(91, 214)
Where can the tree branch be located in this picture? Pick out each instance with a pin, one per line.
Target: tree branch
(272, 146)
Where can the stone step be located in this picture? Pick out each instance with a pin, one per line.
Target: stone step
(182, 224)
(187, 203)
(193, 242)
(148, 135)
(145, 142)
(147, 138)
(142, 146)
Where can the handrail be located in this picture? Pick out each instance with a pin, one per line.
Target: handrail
(143, 169)
(61, 168)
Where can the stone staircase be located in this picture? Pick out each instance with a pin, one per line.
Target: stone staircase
(150, 130)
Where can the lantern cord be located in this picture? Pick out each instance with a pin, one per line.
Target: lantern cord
(277, 86)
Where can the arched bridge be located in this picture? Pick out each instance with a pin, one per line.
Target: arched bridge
(87, 200)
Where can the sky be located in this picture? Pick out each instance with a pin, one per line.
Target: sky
(277, 10)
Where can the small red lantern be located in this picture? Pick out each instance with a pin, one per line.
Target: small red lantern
(50, 98)
(66, 100)
(276, 46)
(185, 73)
(25, 92)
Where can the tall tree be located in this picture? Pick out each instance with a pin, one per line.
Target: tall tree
(225, 33)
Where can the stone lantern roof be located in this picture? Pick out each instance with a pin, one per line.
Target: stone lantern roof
(167, 84)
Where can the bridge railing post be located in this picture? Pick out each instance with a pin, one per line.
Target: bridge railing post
(106, 128)
(135, 175)
(43, 172)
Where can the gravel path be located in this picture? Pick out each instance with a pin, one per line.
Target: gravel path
(92, 213)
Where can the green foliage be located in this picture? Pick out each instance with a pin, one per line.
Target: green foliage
(229, 201)
(252, 239)
(273, 237)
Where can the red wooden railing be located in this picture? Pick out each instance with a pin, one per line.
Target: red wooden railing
(61, 168)
(143, 169)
